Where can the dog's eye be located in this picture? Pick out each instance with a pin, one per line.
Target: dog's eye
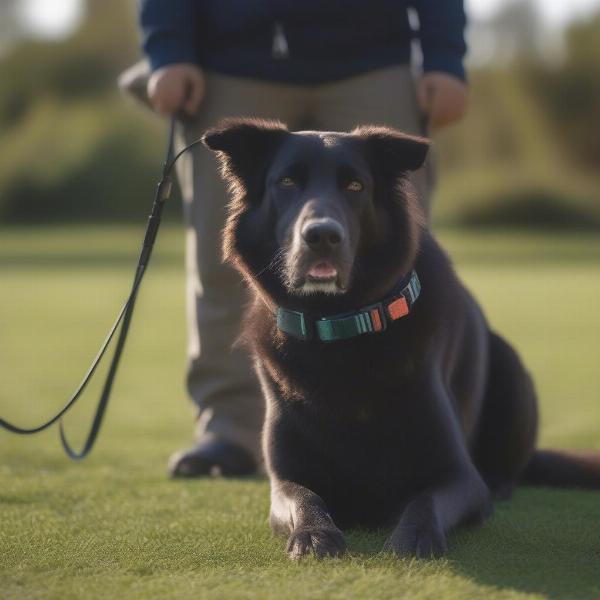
(355, 186)
(286, 182)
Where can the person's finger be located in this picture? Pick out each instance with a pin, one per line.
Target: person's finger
(194, 95)
(158, 100)
(443, 98)
(174, 98)
(437, 110)
(450, 108)
(160, 105)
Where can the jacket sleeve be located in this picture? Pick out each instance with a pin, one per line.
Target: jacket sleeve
(442, 35)
(169, 31)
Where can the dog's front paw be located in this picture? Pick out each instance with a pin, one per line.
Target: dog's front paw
(318, 541)
(424, 542)
(419, 534)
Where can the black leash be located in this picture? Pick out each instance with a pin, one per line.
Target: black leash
(163, 190)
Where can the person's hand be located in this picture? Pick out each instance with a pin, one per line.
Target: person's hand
(442, 97)
(176, 87)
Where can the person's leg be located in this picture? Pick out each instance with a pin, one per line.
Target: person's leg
(383, 97)
(220, 378)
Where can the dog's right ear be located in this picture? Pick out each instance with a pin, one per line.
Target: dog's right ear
(394, 150)
(245, 145)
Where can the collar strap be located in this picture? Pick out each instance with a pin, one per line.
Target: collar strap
(369, 319)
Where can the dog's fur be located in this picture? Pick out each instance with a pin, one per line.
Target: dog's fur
(415, 427)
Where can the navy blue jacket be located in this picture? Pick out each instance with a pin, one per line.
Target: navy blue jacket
(302, 41)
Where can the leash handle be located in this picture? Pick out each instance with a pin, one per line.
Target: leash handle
(163, 190)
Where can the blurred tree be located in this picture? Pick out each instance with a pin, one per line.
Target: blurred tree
(72, 147)
(517, 29)
(529, 150)
(570, 93)
(85, 64)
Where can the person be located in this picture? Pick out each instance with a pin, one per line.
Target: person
(317, 64)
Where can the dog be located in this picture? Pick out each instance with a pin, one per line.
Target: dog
(390, 402)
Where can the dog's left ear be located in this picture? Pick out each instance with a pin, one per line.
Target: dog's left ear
(245, 145)
(397, 151)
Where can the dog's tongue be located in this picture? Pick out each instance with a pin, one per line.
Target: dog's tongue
(322, 270)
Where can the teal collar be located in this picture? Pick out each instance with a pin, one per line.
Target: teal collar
(369, 319)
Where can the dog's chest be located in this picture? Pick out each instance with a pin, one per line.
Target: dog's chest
(365, 468)
(365, 459)
(357, 411)
(360, 378)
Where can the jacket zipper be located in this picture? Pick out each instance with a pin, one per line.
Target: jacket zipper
(280, 49)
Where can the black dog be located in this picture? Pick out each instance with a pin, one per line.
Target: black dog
(386, 405)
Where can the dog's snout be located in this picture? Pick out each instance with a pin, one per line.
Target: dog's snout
(323, 234)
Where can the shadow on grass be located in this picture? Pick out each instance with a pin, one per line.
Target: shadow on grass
(364, 542)
(541, 542)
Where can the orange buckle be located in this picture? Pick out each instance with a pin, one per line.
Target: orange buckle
(398, 308)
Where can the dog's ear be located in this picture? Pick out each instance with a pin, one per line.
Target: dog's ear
(397, 152)
(245, 145)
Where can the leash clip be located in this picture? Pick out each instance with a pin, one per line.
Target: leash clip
(165, 188)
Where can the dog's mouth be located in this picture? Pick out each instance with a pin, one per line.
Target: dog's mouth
(319, 277)
(322, 271)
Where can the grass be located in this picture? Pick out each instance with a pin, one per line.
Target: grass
(116, 527)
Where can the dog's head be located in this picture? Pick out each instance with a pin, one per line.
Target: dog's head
(316, 215)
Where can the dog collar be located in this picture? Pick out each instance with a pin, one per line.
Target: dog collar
(369, 319)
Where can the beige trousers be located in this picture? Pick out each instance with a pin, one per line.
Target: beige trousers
(220, 377)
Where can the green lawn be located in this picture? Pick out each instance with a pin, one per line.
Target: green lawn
(115, 527)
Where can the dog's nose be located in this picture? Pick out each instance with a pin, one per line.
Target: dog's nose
(323, 234)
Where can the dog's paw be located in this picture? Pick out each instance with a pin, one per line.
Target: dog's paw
(318, 541)
(419, 534)
(425, 542)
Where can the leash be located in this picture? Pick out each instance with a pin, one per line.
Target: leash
(163, 191)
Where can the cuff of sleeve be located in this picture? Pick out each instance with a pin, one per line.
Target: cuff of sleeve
(166, 50)
(444, 61)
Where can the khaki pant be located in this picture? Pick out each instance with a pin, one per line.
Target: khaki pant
(220, 376)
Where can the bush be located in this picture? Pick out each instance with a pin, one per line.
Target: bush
(88, 161)
(531, 208)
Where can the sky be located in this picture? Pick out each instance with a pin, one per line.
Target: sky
(51, 18)
(57, 18)
(556, 12)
